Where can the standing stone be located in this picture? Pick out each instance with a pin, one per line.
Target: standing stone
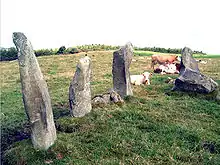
(120, 70)
(187, 61)
(79, 90)
(190, 78)
(36, 98)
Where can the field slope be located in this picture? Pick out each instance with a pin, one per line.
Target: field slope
(155, 126)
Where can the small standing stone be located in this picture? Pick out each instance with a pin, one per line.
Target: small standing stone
(79, 90)
(36, 97)
(120, 70)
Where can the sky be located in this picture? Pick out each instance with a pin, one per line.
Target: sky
(145, 23)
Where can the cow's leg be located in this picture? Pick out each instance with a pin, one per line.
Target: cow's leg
(152, 64)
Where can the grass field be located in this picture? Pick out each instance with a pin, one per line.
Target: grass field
(155, 126)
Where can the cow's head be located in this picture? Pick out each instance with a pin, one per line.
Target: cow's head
(146, 76)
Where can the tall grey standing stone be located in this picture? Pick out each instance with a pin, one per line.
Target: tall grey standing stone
(79, 90)
(120, 69)
(190, 78)
(36, 97)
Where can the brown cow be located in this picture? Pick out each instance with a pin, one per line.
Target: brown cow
(162, 59)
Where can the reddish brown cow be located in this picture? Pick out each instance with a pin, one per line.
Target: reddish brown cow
(162, 59)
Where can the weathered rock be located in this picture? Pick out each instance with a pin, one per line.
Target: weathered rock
(79, 90)
(115, 97)
(107, 98)
(101, 100)
(120, 70)
(190, 78)
(194, 81)
(36, 98)
(187, 60)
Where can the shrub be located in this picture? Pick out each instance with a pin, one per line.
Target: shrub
(61, 50)
(44, 52)
(96, 47)
(7, 54)
(71, 50)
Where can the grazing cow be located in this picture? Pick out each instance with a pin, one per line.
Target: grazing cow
(141, 79)
(162, 59)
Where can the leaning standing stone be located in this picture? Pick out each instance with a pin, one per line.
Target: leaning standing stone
(190, 78)
(36, 98)
(120, 70)
(187, 61)
(79, 90)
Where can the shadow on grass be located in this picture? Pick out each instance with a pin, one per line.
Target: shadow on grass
(22, 131)
(181, 94)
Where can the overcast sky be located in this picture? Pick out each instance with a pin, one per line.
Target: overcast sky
(161, 23)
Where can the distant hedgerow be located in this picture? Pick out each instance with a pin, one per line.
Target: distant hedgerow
(164, 50)
(7, 54)
(44, 52)
(71, 50)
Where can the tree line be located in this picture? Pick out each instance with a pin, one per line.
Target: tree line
(164, 50)
(7, 54)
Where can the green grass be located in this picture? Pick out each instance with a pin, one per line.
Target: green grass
(207, 56)
(143, 53)
(155, 126)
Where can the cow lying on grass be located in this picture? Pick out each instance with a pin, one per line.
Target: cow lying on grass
(163, 59)
(141, 79)
(168, 69)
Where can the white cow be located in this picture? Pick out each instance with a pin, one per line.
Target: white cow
(141, 79)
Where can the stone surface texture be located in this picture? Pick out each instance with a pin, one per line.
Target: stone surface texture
(187, 60)
(120, 69)
(35, 93)
(107, 98)
(79, 90)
